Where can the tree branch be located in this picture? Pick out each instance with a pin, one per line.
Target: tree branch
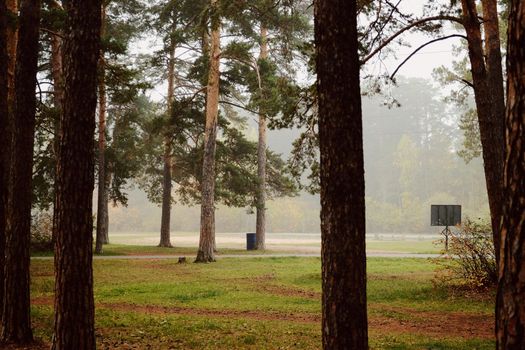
(408, 27)
(52, 32)
(422, 46)
(238, 106)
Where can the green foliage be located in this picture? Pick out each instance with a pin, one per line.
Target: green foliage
(471, 141)
(474, 265)
(236, 159)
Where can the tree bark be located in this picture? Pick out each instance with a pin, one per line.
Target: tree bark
(102, 105)
(260, 226)
(165, 228)
(74, 305)
(510, 309)
(105, 208)
(4, 143)
(344, 322)
(488, 105)
(57, 73)
(207, 231)
(12, 39)
(165, 231)
(57, 66)
(16, 321)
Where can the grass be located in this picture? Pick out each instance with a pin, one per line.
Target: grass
(404, 246)
(264, 303)
(235, 244)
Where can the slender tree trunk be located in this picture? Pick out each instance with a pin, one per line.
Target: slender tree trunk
(165, 228)
(105, 208)
(165, 240)
(344, 323)
(102, 104)
(57, 67)
(510, 308)
(260, 228)
(489, 106)
(4, 143)
(74, 305)
(497, 116)
(16, 321)
(57, 72)
(207, 232)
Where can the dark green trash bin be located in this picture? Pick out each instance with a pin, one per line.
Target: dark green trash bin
(250, 241)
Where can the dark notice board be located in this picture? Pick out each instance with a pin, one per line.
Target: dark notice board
(445, 215)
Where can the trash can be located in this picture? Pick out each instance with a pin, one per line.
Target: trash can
(250, 241)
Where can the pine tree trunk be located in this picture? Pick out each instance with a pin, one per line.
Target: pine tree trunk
(344, 322)
(57, 67)
(74, 305)
(16, 321)
(57, 73)
(207, 232)
(165, 228)
(105, 208)
(102, 105)
(260, 228)
(510, 308)
(489, 107)
(12, 39)
(4, 143)
(166, 196)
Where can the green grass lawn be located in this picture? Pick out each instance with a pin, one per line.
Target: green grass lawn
(264, 303)
(374, 246)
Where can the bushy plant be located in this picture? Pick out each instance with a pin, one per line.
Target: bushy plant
(472, 262)
(42, 232)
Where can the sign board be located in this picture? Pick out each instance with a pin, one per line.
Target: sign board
(445, 215)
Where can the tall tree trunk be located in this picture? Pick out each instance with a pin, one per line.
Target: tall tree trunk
(207, 232)
(4, 143)
(260, 226)
(74, 305)
(165, 228)
(12, 39)
(16, 321)
(57, 73)
(344, 323)
(57, 66)
(510, 308)
(6, 133)
(488, 104)
(11, 33)
(105, 208)
(102, 104)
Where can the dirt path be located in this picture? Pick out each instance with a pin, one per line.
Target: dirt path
(403, 320)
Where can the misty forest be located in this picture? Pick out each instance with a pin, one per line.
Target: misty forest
(262, 174)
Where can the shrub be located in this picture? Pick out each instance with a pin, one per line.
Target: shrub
(472, 263)
(42, 232)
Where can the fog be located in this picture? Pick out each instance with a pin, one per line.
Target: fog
(411, 162)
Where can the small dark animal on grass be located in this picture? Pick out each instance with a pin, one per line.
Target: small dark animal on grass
(182, 259)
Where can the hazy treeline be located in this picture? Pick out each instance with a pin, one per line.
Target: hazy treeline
(411, 161)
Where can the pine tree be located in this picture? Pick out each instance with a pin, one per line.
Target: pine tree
(207, 232)
(102, 198)
(510, 309)
(74, 304)
(16, 321)
(344, 323)
(119, 85)
(4, 142)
